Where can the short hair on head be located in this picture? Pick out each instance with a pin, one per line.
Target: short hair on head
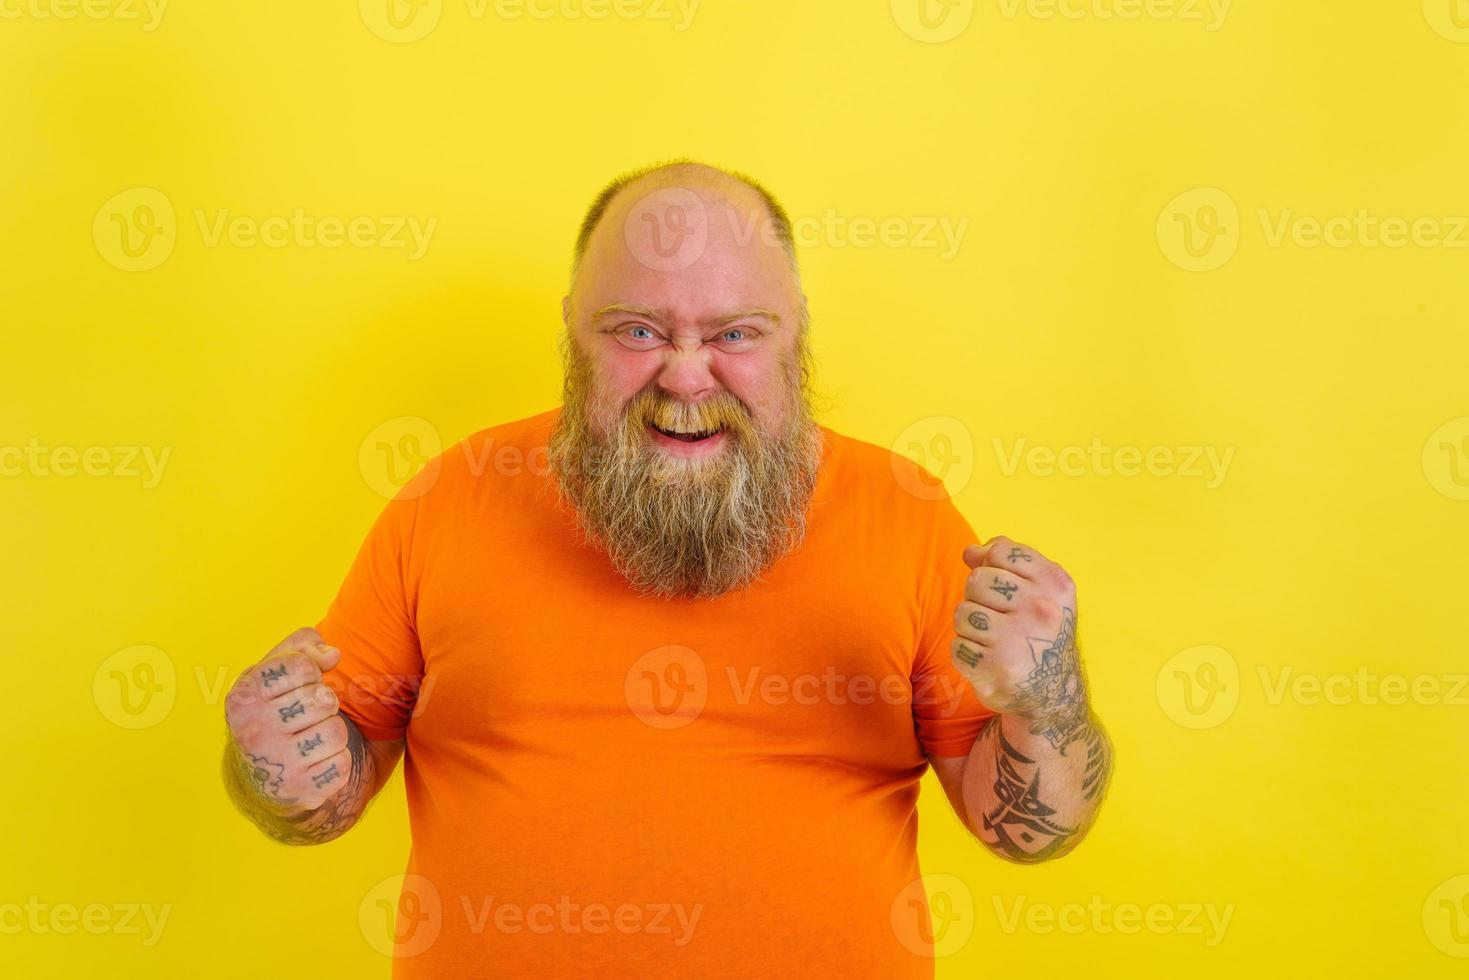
(779, 219)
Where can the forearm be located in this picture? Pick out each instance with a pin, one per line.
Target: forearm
(1031, 793)
(282, 819)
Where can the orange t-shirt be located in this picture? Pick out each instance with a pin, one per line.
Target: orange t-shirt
(601, 784)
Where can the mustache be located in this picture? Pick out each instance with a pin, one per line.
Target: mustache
(721, 410)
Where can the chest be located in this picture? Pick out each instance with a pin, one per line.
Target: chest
(563, 662)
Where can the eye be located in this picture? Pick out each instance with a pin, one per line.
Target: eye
(737, 338)
(639, 336)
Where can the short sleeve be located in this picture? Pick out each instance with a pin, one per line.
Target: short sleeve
(371, 621)
(947, 714)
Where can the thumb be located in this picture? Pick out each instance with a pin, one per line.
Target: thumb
(974, 555)
(323, 653)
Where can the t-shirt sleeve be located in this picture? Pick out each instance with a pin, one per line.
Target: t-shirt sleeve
(372, 622)
(947, 714)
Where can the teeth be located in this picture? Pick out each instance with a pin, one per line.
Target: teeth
(687, 432)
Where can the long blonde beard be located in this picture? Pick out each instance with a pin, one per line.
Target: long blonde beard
(685, 527)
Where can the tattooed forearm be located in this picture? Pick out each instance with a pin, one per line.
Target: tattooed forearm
(254, 784)
(1031, 816)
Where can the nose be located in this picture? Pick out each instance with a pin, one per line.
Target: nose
(686, 374)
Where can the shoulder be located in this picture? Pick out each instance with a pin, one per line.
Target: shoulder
(881, 472)
(506, 452)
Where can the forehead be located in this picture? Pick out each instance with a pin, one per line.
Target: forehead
(692, 251)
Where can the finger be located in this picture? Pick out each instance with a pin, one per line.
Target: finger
(321, 741)
(995, 588)
(978, 624)
(331, 774)
(1015, 557)
(309, 642)
(296, 711)
(968, 656)
(278, 675)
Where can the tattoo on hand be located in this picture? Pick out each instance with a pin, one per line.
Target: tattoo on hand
(295, 708)
(969, 656)
(1019, 554)
(1054, 697)
(1006, 589)
(329, 820)
(979, 621)
(267, 776)
(270, 675)
(307, 744)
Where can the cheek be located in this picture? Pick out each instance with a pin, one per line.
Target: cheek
(622, 375)
(759, 383)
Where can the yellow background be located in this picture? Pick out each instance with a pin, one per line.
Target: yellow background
(1333, 542)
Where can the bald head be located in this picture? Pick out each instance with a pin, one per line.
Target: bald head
(724, 192)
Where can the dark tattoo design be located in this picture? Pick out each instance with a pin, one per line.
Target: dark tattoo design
(307, 744)
(1054, 697)
(1023, 826)
(1006, 589)
(272, 674)
(979, 621)
(1019, 554)
(267, 776)
(969, 656)
(327, 775)
(294, 709)
(1020, 822)
(1098, 764)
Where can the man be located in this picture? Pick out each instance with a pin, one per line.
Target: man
(670, 661)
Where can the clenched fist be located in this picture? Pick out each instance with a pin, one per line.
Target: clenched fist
(285, 724)
(1017, 639)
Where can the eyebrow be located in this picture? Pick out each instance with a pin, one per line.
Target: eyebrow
(662, 316)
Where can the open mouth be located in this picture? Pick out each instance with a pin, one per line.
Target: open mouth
(688, 436)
